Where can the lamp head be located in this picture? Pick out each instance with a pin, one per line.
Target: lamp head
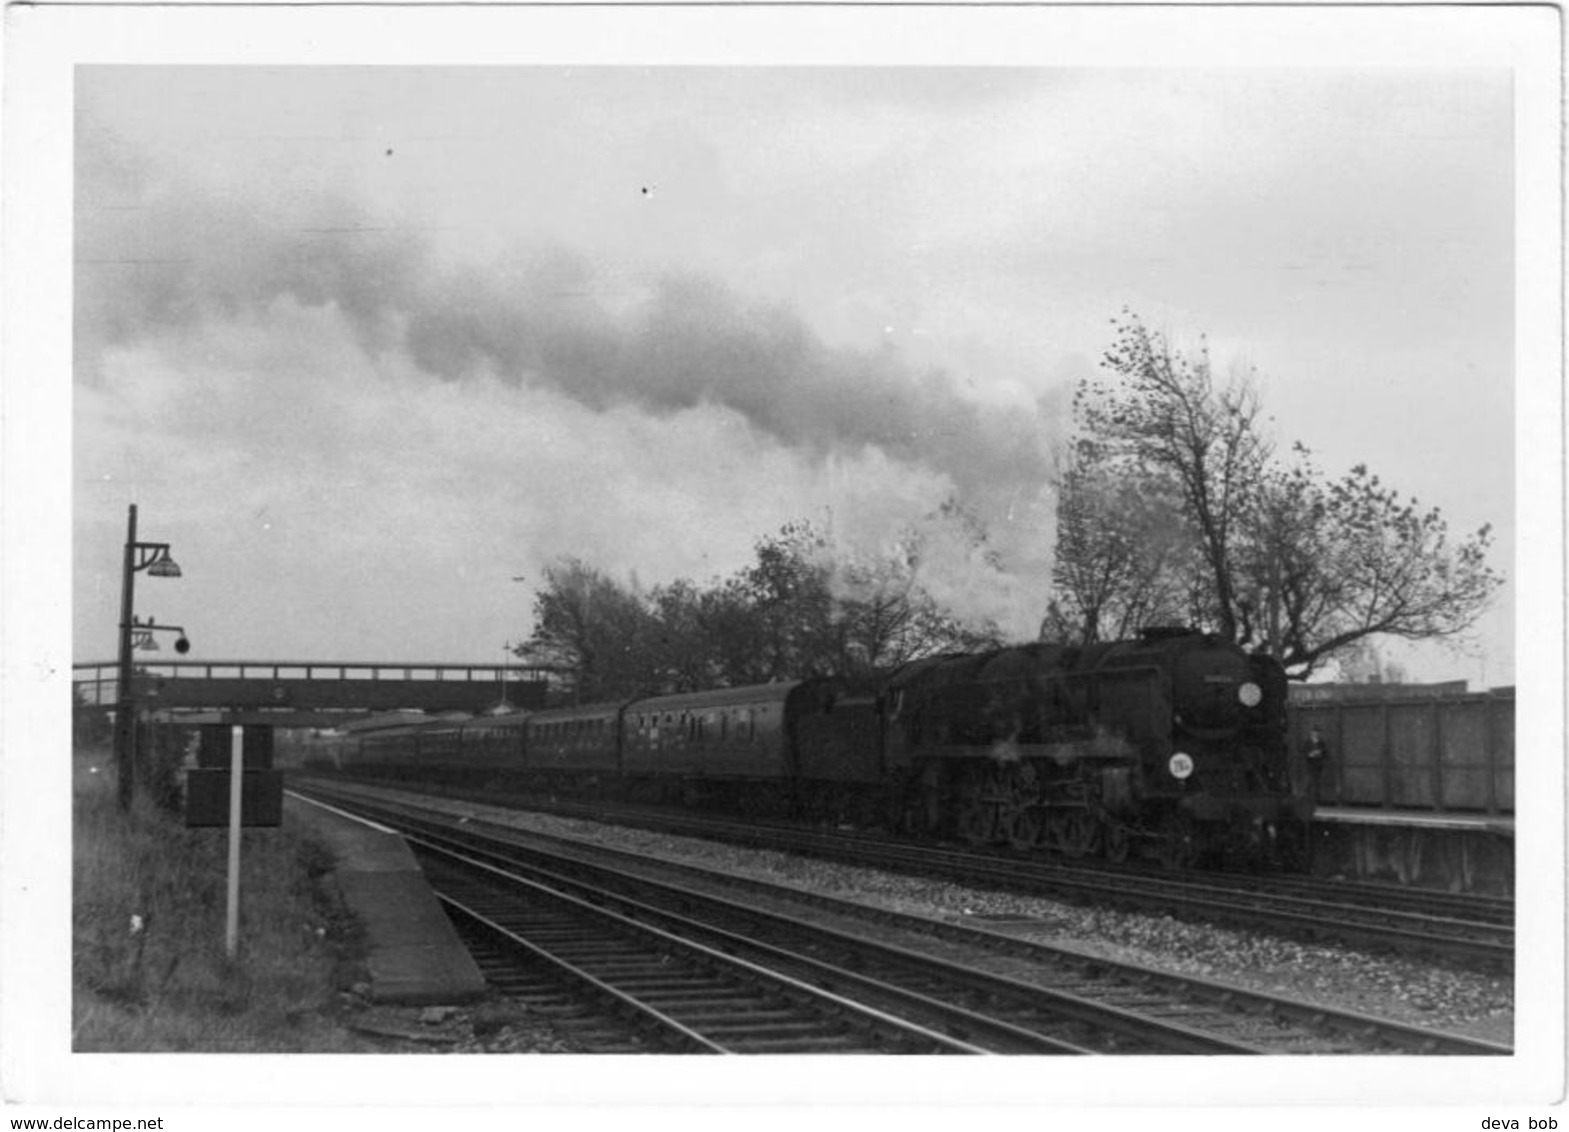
(164, 567)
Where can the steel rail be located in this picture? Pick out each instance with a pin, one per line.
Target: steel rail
(1383, 1032)
(1487, 940)
(829, 1001)
(1059, 1006)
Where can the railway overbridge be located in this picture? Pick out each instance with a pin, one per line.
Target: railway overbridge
(207, 699)
(310, 693)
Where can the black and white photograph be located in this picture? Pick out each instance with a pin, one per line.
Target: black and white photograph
(545, 542)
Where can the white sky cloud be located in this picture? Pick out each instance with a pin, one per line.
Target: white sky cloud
(405, 288)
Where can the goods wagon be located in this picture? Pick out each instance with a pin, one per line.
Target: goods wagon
(1450, 751)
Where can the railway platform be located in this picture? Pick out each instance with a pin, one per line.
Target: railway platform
(1459, 852)
(413, 955)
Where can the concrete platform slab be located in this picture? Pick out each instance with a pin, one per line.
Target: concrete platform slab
(413, 954)
(1423, 851)
(1503, 824)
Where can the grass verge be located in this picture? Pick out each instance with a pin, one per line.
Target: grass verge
(149, 969)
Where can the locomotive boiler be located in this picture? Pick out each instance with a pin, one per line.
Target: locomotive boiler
(1173, 744)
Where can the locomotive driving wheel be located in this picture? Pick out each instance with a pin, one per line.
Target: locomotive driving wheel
(976, 818)
(1119, 842)
(1024, 825)
(977, 822)
(1022, 820)
(1075, 832)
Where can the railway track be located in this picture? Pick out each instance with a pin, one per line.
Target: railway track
(1025, 997)
(724, 976)
(1468, 930)
(650, 988)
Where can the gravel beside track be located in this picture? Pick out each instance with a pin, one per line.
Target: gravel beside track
(1411, 991)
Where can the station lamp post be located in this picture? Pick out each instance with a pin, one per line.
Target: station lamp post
(142, 635)
(154, 558)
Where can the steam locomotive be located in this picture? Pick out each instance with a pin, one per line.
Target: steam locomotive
(1172, 746)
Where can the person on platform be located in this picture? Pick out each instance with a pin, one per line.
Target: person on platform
(1316, 756)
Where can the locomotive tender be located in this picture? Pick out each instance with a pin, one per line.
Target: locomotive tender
(1171, 745)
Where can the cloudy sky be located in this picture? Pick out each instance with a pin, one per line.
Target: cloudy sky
(367, 343)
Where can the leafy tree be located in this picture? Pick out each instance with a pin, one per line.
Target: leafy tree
(787, 588)
(885, 617)
(1164, 416)
(682, 645)
(1173, 501)
(798, 609)
(1356, 560)
(1120, 546)
(594, 633)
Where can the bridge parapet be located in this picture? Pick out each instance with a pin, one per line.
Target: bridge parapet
(312, 685)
